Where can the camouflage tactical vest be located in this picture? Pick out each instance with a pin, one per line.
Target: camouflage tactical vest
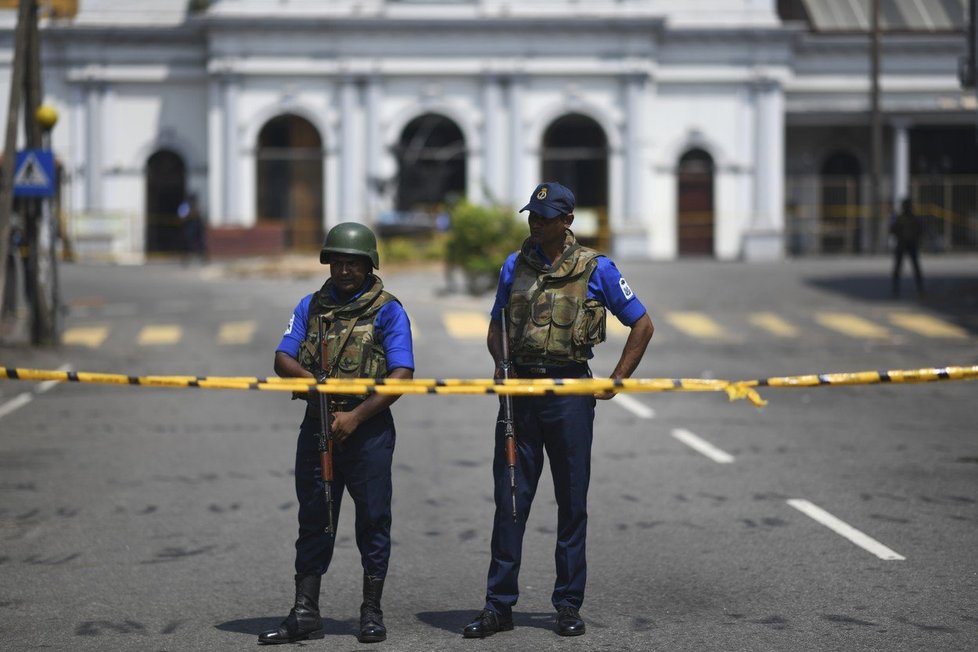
(351, 348)
(551, 320)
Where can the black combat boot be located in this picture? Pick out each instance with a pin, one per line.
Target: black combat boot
(303, 622)
(372, 628)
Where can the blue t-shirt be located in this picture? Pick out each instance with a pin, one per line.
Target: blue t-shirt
(606, 285)
(392, 329)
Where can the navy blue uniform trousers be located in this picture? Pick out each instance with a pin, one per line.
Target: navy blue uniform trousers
(561, 426)
(362, 465)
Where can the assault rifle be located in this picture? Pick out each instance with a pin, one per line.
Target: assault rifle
(325, 432)
(507, 420)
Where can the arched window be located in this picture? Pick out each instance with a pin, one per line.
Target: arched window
(695, 203)
(166, 187)
(575, 153)
(290, 179)
(431, 164)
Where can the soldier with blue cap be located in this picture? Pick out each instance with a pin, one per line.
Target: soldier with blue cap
(555, 294)
(367, 335)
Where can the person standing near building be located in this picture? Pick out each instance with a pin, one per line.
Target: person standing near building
(555, 293)
(908, 231)
(368, 335)
(192, 229)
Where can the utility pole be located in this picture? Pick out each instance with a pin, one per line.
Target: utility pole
(10, 142)
(40, 272)
(41, 322)
(876, 129)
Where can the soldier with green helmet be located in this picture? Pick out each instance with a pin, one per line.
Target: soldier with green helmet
(365, 334)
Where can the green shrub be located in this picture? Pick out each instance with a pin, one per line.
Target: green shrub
(397, 250)
(480, 239)
(404, 249)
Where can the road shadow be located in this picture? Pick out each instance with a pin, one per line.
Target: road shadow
(455, 620)
(256, 625)
(955, 296)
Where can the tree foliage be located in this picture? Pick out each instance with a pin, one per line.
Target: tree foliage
(480, 239)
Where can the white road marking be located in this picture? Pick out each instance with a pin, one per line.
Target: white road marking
(845, 530)
(634, 406)
(18, 401)
(702, 446)
(48, 384)
(24, 398)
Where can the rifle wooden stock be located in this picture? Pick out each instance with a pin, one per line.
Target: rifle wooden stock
(325, 434)
(508, 428)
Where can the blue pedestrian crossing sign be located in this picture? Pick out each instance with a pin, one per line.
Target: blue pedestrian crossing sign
(34, 173)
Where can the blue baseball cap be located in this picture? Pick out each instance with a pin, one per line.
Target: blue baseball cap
(550, 200)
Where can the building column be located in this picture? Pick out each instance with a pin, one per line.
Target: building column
(764, 239)
(231, 182)
(493, 144)
(517, 141)
(349, 163)
(78, 173)
(901, 161)
(635, 146)
(372, 137)
(94, 105)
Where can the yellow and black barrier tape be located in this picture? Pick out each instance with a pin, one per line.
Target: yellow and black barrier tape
(735, 389)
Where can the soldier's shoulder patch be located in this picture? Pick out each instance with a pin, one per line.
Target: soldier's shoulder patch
(625, 290)
(288, 330)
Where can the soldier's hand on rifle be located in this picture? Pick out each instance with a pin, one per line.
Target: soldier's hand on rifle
(605, 395)
(345, 424)
(498, 373)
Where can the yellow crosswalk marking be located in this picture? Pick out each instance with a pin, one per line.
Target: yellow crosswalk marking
(927, 325)
(466, 325)
(851, 325)
(616, 328)
(696, 324)
(773, 324)
(157, 335)
(236, 332)
(90, 336)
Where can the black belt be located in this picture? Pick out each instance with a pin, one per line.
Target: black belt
(540, 370)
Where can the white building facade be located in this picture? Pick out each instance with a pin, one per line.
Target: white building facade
(702, 118)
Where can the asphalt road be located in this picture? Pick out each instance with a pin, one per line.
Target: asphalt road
(163, 519)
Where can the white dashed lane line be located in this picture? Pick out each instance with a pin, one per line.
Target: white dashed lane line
(634, 406)
(702, 446)
(845, 530)
(18, 401)
(24, 398)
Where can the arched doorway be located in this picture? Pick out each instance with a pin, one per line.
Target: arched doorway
(430, 166)
(695, 203)
(575, 153)
(290, 179)
(166, 187)
(840, 204)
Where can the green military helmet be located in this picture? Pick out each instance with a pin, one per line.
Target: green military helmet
(350, 238)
